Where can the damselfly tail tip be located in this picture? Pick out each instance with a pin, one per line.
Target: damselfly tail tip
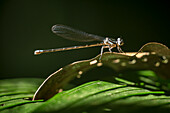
(53, 28)
(56, 28)
(37, 52)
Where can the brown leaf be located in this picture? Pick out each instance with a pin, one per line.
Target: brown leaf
(152, 56)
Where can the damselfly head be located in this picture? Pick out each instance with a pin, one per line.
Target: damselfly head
(120, 41)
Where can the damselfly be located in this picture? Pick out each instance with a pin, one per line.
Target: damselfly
(77, 35)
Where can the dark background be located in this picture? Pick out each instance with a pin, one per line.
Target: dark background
(25, 25)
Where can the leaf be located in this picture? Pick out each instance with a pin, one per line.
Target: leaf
(161, 62)
(16, 94)
(155, 58)
(91, 97)
(101, 97)
(158, 48)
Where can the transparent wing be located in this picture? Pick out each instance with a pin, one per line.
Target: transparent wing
(73, 34)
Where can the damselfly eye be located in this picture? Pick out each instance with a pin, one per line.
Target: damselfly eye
(121, 42)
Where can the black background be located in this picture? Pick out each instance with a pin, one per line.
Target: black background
(25, 25)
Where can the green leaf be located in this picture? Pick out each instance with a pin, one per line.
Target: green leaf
(17, 93)
(100, 97)
(91, 97)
